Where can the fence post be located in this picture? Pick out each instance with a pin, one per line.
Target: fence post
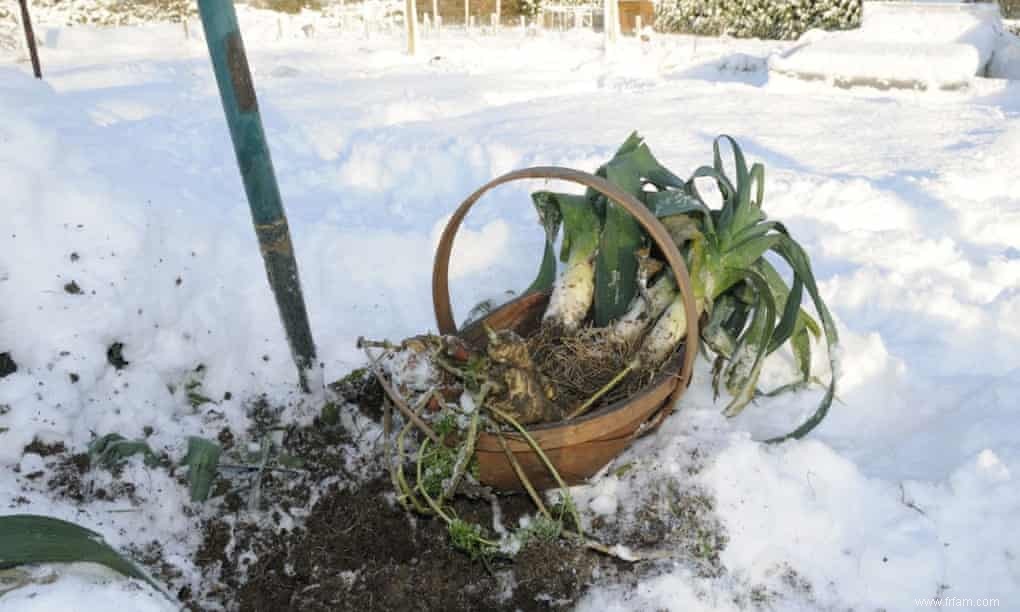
(33, 53)
(411, 21)
(237, 93)
(611, 21)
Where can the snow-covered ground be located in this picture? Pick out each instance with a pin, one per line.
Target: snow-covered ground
(116, 173)
(927, 44)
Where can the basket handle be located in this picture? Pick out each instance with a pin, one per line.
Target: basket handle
(655, 229)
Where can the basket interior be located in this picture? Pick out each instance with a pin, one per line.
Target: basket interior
(524, 315)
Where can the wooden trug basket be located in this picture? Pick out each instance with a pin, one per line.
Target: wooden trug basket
(581, 447)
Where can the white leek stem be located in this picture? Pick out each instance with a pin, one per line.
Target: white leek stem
(667, 333)
(644, 309)
(572, 295)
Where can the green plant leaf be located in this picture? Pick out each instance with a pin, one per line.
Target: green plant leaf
(757, 227)
(809, 322)
(715, 333)
(745, 366)
(648, 168)
(798, 260)
(616, 264)
(737, 212)
(202, 459)
(721, 180)
(758, 179)
(597, 199)
(112, 449)
(801, 345)
(676, 202)
(744, 256)
(28, 539)
(580, 226)
(740, 164)
(549, 214)
(546, 271)
(550, 217)
(786, 299)
(791, 315)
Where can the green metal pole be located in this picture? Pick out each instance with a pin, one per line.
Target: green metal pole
(230, 63)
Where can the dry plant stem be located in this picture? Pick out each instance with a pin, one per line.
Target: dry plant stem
(525, 481)
(446, 365)
(608, 550)
(396, 399)
(583, 408)
(256, 490)
(464, 454)
(545, 459)
(251, 468)
(387, 427)
(400, 481)
(537, 499)
(467, 450)
(407, 493)
(383, 344)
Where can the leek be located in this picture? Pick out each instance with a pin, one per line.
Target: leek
(574, 290)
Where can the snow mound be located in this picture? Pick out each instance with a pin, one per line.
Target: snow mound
(901, 44)
(81, 586)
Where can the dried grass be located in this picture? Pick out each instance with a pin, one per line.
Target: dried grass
(580, 365)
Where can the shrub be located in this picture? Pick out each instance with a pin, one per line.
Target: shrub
(288, 6)
(121, 12)
(771, 19)
(1010, 8)
(529, 8)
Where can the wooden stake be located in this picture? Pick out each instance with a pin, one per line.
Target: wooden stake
(611, 21)
(411, 22)
(33, 53)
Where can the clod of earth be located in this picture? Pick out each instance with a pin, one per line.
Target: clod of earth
(115, 356)
(7, 365)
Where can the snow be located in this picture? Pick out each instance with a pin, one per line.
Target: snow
(931, 44)
(907, 202)
(81, 587)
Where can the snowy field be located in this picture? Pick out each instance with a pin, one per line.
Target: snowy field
(117, 174)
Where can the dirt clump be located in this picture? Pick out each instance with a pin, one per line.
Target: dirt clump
(359, 551)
